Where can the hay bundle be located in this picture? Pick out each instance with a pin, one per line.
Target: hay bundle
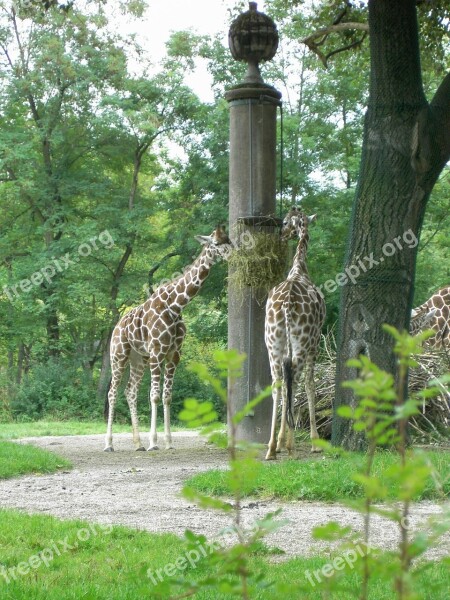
(434, 420)
(431, 425)
(259, 261)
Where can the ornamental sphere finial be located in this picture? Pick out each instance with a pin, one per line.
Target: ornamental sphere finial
(253, 37)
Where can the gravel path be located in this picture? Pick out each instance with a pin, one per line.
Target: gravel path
(142, 490)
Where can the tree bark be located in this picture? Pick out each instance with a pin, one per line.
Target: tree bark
(405, 146)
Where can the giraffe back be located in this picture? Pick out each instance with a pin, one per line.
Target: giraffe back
(295, 313)
(434, 314)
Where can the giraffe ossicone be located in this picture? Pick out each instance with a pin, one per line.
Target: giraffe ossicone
(295, 312)
(152, 334)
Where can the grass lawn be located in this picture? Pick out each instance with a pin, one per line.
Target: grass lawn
(11, 431)
(20, 459)
(326, 479)
(42, 558)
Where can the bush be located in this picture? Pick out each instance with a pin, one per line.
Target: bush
(56, 389)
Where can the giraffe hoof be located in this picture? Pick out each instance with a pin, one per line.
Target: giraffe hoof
(170, 447)
(271, 457)
(140, 449)
(316, 450)
(108, 449)
(153, 448)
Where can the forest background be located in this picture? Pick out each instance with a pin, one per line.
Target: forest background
(110, 164)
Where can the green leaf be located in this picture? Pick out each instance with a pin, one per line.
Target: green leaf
(345, 411)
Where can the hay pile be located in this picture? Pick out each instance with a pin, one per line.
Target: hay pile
(433, 423)
(260, 264)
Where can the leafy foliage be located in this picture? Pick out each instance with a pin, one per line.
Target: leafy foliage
(89, 127)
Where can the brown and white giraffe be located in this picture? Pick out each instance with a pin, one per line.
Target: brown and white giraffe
(295, 313)
(434, 314)
(152, 334)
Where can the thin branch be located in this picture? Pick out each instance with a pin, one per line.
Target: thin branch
(153, 270)
(436, 231)
(6, 53)
(333, 28)
(356, 44)
(317, 38)
(99, 260)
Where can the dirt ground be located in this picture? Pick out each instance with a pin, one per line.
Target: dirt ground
(142, 490)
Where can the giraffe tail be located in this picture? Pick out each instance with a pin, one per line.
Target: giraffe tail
(106, 407)
(287, 376)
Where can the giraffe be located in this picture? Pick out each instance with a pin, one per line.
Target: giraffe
(152, 334)
(434, 314)
(295, 313)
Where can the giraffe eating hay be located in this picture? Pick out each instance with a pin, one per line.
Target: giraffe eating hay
(434, 314)
(152, 334)
(295, 313)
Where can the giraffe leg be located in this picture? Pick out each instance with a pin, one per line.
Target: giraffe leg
(169, 373)
(296, 368)
(281, 442)
(155, 371)
(276, 396)
(137, 367)
(171, 364)
(118, 368)
(311, 393)
(296, 377)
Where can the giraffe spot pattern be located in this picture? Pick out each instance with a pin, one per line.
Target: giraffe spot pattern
(152, 335)
(295, 312)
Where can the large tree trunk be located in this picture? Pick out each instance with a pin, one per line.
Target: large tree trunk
(405, 147)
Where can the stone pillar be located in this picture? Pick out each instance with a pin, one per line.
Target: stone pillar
(252, 186)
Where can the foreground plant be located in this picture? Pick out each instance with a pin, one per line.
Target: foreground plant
(227, 556)
(383, 412)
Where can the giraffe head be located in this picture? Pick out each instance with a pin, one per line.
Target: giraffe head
(218, 243)
(421, 318)
(295, 224)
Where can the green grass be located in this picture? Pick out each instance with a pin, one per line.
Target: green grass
(20, 459)
(11, 431)
(99, 563)
(328, 479)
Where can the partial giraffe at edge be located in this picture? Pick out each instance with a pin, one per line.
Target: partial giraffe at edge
(295, 312)
(434, 314)
(152, 335)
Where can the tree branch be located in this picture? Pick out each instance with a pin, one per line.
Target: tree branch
(153, 270)
(344, 48)
(317, 38)
(440, 108)
(431, 137)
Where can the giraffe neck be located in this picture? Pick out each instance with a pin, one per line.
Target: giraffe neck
(183, 289)
(299, 266)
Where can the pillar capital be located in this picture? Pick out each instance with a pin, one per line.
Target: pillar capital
(261, 91)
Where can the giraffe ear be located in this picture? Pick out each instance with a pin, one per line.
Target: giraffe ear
(222, 235)
(204, 239)
(312, 218)
(428, 318)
